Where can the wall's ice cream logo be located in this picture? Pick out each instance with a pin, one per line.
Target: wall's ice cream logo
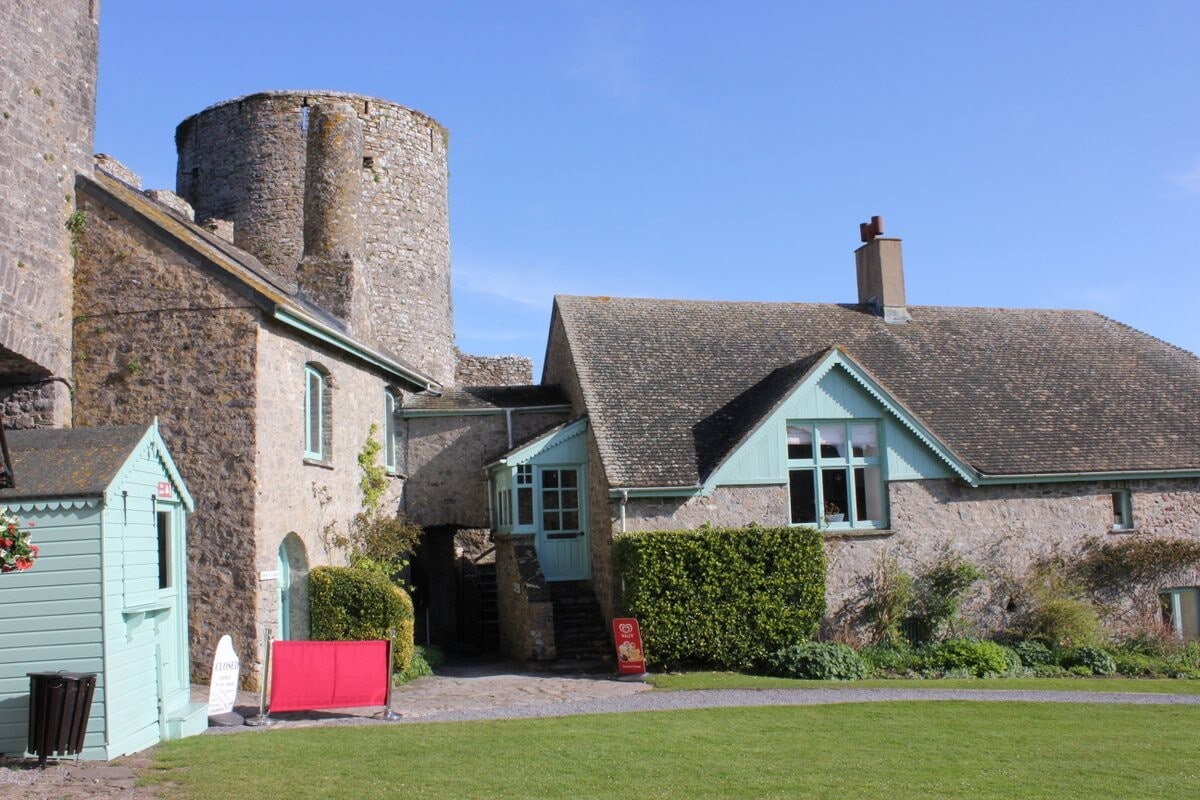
(628, 639)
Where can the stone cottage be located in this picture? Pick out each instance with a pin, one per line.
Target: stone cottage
(998, 433)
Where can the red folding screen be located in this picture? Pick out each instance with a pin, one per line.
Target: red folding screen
(310, 675)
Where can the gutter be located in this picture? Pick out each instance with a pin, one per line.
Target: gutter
(1063, 477)
(414, 413)
(625, 492)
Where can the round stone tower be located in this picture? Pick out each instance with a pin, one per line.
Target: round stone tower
(248, 161)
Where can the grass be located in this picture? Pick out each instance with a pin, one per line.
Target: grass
(733, 680)
(871, 750)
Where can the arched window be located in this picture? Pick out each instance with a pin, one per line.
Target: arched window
(317, 417)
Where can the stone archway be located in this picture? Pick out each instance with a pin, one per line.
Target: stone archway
(293, 589)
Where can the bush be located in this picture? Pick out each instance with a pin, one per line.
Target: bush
(977, 657)
(822, 661)
(1033, 653)
(885, 659)
(425, 661)
(940, 589)
(724, 598)
(1048, 671)
(892, 598)
(347, 604)
(1094, 659)
(1053, 611)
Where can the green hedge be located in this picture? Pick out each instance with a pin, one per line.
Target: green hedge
(722, 597)
(347, 604)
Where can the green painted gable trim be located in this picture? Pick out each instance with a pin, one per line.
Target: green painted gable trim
(933, 458)
(569, 435)
(152, 439)
(361, 352)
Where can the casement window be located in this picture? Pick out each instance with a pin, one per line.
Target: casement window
(524, 495)
(560, 500)
(389, 430)
(1122, 508)
(1181, 611)
(316, 413)
(835, 474)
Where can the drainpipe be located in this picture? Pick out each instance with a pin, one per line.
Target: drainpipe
(508, 425)
(624, 500)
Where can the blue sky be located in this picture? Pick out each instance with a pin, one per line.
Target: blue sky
(1029, 154)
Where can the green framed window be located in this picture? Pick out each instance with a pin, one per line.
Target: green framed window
(1122, 508)
(560, 500)
(524, 495)
(389, 431)
(1181, 611)
(316, 413)
(835, 474)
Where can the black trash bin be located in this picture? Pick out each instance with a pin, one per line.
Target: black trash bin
(59, 704)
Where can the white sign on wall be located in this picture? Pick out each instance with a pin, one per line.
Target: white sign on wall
(222, 689)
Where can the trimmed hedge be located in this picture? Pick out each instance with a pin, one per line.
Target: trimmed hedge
(347, 604)
(722, 597)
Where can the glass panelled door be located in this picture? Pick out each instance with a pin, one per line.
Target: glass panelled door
(562, 532)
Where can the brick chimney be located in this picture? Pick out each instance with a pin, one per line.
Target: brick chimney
(880, 269)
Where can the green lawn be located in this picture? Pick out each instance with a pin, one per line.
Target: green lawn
(871, 750)
(733, 680)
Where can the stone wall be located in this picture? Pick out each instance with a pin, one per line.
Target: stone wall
(243, 160)
(313, 502)
(492, 370)
(444, 456)
(48, 57)
(30, 406)
(156, 335)
(523, 601)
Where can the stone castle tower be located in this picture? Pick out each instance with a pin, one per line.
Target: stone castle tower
(48, 65)
(344, 194)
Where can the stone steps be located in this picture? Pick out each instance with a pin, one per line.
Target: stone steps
(580, 635)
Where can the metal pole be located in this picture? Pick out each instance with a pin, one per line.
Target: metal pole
(262, 720)
(387, 712)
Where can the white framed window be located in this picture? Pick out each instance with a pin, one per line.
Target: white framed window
(316, 413)
(1181, 611)
(835, 474)
(1122, 508)
(389, 430)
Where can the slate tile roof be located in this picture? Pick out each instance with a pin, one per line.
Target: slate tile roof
(671, 385)
(68, 462)
(481, 398)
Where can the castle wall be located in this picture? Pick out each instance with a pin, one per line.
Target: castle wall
(48, 61)
(244, 160)
(493, 370)
(157, 336)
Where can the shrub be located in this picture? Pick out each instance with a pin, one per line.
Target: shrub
(1134, 561)
(822, 661)
(725, 598)
(884, 659)
(1053, 611)
(1033, 653)
(1048, 671)
(1094, 659)
(348, 604)
(940, 589)
(425, 660)
(978, 657)
(892, 598)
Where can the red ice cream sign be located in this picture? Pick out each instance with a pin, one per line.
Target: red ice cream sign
(628, 638)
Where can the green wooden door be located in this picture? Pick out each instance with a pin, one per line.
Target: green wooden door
(562, 527)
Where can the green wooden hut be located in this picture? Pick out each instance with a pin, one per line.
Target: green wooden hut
(108, 593)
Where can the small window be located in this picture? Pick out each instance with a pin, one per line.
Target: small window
(164, 550)
(389, 431)
(316, 414)
(1122, 509)
(1181, 611)
(525, 494)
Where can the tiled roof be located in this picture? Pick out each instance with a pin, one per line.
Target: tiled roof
(483, 398)
(68, 462)
(671, 385)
